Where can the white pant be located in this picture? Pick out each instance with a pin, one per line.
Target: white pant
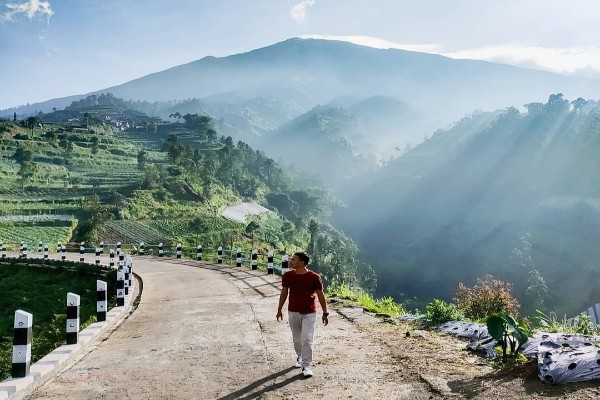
(303, 333)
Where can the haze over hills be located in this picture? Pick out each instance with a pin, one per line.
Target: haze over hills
(457, 206)
(256, 92)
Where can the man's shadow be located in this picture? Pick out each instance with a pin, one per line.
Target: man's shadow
(244, 393)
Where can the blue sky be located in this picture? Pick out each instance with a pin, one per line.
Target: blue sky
(57, 48)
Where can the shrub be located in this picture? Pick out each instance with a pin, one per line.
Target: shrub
(487, 297)
(438, 312)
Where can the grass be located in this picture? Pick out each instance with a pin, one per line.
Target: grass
(385, 305)
(42, 291)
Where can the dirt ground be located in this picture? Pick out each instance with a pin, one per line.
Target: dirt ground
(451, 371)
(203, 331)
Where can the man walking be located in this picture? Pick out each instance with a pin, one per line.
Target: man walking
(302, 284)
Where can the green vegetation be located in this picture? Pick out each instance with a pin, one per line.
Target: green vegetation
(385, 305)
(489, 296)
(438, 312)
(512, 334)
(125, 176)
(42, 291)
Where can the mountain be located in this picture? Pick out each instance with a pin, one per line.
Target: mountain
(457, 206)
(303, 73)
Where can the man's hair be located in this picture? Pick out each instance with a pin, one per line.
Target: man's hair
(303, 256)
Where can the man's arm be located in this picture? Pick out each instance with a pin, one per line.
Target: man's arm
(282, 298)
(323, 303)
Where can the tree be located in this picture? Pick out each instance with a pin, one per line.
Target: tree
(95, 145)
(142, 160)
(27, 172)
(22, 155)
(536, 290)
(313, 229)
(94, 215)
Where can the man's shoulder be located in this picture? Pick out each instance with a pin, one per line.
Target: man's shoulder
(313, 273)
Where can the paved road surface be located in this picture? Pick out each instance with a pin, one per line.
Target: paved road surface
(203, 331)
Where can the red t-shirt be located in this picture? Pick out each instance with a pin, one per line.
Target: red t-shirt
(302, 289)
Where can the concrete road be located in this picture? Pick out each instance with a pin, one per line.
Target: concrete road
(203, 331)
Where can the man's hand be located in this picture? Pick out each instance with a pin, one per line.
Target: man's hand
(279, 316)
(325, 319)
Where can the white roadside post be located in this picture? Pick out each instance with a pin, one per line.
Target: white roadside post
(254, 259)
(284, 264)
(125, 269)
(46, 253)
(21, 359)
(178, 250)
(129, 264)
(142, 251)
(238, 257)
(118, 248)
(40, 246)
(63, 252)
(98, 251)
(270, 263)
(3, 246)
(120, 289)
(161, 251)
(101, 300)
(73, 302)
(199, 252)
(220, 255)
(101, 245)
(111, 258)
(81, 252)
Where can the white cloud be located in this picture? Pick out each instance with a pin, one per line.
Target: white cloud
(564, 60)
(298, 12)
(377, 43)
(582, 60)
(31, 8)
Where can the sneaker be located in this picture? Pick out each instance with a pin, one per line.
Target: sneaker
(298, 362)
(307, 372)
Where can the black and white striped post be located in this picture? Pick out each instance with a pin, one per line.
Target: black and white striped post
(21, 359)
(129, 264)
(161, 251)
(98, 251)
(270, 263)
(121, 260)
(220, 255)
(73, 302)
(120, 289)
(126, 279)
(63, 252)
(238, 257)
(178, 250)
(46, 252)
(142, 251)
(254, 259)
(199, 252)
(81, 251)
(3, 246)
(58, 247)
(119, 248)
(284, 264)
(24, 251)
(101, 245)
(111, 258)
(101, 300)
(21, 245)
(40, 246)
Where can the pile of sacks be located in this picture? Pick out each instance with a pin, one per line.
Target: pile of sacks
(562, 358)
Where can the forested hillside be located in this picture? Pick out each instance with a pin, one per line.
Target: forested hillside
(513, 194)
(98, 170)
